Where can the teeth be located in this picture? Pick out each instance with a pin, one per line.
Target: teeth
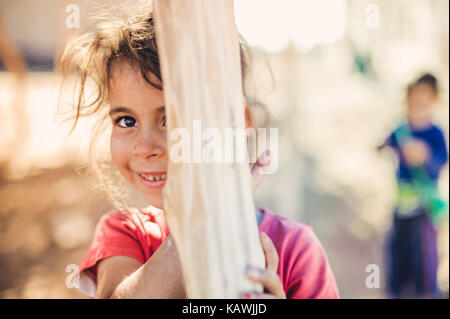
(154, 177)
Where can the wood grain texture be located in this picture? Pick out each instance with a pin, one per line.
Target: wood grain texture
(209, 207)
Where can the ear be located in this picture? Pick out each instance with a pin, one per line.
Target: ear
(248, 114)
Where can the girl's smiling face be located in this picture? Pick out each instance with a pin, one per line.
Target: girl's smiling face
(138, 138)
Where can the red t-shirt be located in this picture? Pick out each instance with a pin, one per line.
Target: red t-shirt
(303, 266)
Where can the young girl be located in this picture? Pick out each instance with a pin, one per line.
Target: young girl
(132, 254)
(411, 246)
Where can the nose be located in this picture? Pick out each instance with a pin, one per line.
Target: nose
(149, 143)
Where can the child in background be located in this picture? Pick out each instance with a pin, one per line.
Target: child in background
(132, 254)
(411, 247)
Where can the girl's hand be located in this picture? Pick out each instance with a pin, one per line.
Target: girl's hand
(267, 277)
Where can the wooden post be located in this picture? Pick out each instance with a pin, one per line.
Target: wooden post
(209, 207)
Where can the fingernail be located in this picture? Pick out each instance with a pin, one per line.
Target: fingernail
(265, 158)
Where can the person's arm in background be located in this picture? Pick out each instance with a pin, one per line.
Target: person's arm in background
(390, 141)
(430, 154)
(438, 154)
(383, 145)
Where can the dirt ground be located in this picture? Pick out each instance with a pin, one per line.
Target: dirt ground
(46, 223)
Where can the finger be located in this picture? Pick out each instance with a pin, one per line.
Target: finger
(260, 168)
(263, 159)
(270, 252)
(268, 279)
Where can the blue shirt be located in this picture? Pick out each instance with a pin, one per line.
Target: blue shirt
(433, 137)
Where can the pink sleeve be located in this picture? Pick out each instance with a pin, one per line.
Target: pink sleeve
(310, 276)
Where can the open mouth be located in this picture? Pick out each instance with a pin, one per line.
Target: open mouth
(153, 179)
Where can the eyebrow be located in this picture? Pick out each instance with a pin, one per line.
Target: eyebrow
(120, 109)
(123, 109)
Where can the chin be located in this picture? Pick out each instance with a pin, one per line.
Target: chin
(155, 201)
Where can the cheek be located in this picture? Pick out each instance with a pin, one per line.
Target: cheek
(120, 152)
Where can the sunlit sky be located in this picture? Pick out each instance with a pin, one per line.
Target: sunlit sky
(272, 24)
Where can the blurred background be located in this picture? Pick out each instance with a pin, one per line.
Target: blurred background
(333, 75)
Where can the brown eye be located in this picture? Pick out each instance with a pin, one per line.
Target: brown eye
(125, 121)
(164, 122)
